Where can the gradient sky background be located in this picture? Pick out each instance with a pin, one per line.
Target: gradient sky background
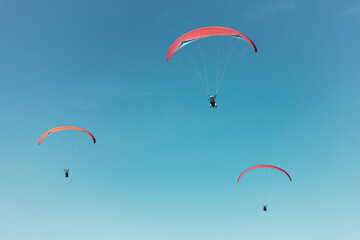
(165, 166)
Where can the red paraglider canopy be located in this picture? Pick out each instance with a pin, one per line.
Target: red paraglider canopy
(264, 166)
(57, 129)
(203, 33)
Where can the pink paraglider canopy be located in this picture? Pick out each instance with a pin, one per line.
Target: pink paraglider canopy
(203, 33)
(264, 166)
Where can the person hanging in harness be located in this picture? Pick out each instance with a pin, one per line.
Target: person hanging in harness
(264, 208)
(212, 101)
(66, 172)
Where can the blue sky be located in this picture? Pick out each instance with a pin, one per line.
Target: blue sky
(164, 165)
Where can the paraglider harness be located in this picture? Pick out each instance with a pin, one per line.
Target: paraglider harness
(66, 172)
(212, 101)
(264, 208)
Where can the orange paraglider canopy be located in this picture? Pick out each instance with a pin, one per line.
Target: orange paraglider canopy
(57, 129)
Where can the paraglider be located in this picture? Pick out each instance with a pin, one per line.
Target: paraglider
(63, 128)
(57, 129)
(203, 67)
(264, 206)
(212, 101)
(66, 172)
(204, 33)
(264, 166)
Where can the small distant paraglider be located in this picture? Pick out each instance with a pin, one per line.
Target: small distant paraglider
(63, 128)
(66, 172)
(264, 206)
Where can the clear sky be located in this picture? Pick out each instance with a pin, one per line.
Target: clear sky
(165, 165)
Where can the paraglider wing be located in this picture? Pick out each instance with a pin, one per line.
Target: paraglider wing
(203, 33)
(57, 129)
(264, 166)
